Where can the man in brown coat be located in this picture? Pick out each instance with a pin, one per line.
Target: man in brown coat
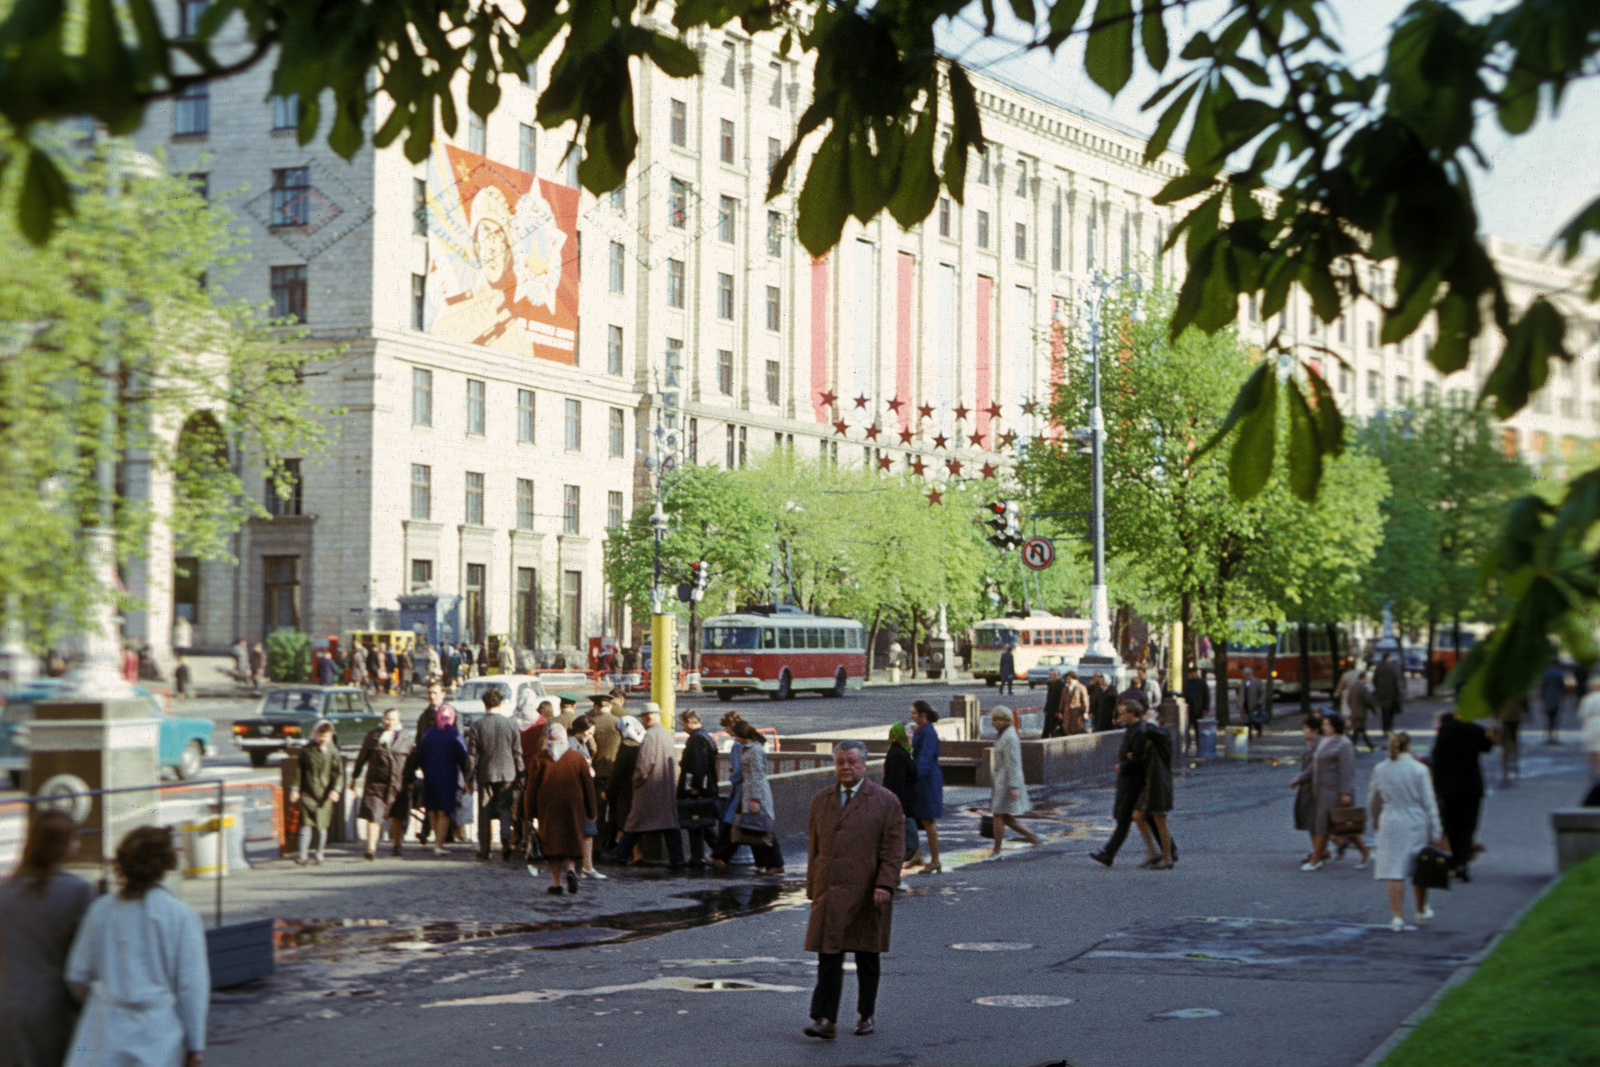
(857, 841)
(655, 792)
(1074, 705)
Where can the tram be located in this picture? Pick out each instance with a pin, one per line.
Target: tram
(781, 651)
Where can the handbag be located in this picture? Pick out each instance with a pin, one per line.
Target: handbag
(1347, 822)
(535, 847)
(1432, 870)
(697, 813)
(986, 826)
(752, 828)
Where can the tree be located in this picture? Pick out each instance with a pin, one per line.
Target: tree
(112, 337)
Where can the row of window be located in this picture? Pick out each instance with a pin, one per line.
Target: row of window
(1023, 252)
(730, 54)
(422, 396)
(472, 511)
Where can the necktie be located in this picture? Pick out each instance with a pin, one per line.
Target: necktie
(848, 793)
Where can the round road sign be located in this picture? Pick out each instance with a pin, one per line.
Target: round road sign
(1038, 553)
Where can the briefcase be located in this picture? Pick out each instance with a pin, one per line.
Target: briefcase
(1347, 822)
(697, 813)
(1432, 870)
(986, 826)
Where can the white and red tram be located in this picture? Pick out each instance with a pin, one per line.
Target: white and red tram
(781, 651)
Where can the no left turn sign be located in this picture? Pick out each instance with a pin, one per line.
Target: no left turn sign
(1038, 553)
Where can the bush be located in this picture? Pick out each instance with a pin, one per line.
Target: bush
(288, 656)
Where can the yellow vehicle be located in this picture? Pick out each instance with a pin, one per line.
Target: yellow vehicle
(398, 640)
(492, 646)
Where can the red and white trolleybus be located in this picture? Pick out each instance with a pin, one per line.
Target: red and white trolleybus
(781, 651)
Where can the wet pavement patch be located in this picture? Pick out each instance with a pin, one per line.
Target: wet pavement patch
(1319, 950)
(666, 984)
(992, 946)
(1023, 1000)
(1189, 1013)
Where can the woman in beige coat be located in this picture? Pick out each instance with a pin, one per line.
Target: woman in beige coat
(1009, 796)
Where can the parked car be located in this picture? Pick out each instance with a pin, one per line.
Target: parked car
(468, 700)
(185, 743)
(286, 716)
(1039, 673)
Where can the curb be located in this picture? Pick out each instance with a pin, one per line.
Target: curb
(1457, 977)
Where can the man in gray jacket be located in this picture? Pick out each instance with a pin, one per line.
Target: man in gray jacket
(494, 751)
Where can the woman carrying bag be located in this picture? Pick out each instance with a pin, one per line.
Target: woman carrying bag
(753, 819)
(1406, 816)
(1333, 780)
(1009, 795)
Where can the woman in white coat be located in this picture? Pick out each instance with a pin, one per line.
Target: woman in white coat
(140, 959)
(1406, 816)
(1010, 793)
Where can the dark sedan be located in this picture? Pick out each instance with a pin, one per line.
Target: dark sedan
(287, 715)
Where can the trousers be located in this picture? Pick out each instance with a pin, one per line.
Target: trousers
(1458, 813)
(306, 832)
(673, 839)
(494, 802)
(1389, 712)
(765, 856)
(830, 985)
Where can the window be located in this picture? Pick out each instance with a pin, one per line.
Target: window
(474, 506)
(774, 234)
(1374, 385)
(726, 141)
(619, 200)
(421, 397)
(743, 431)
(1089, 241)
(730, 60)
(200, 183)
(475, 402)
(189, 12)
(1346, 379)
(1372, 336)
(776, 98)
(291, 204)
(613, 510)
(419, 301)
(527, 152)
(724, 296)
(419, 207)
(421, 492)
(675, 283)
(983, 229)
(282, 600)
(983, 167)
(1125, 228)
(774, 385)
(1022, 241)
(477, 135)
(191, 114)
(527, 607)
(186, 588)
(421, 575)
(614, 350)
(694, 440)
(570, 517)
(1342, 330)
(1022, 177)
(476, 581)
(574, 425)
(944, 216)
(680, 124)
(286, 111)
(525, 414)
(733, 445)
(1430, 396)
(615, 433)
(524, 503)
(618, 262)
(277, 504)
(678, 203)
(727, 206)
(725, 372)
(774, 153)
(571, 608)
(774, 308)
(289, 293)
(1402, 389)
(1055, 235)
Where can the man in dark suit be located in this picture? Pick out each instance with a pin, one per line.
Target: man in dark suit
(1458, 784)
(1008, 671)
(1053, 691)
(494, 752)
(1388, 688)
(1130, 777)
(1196, 694)
(1102, 703)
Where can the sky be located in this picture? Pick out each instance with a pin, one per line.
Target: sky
(1535, 183)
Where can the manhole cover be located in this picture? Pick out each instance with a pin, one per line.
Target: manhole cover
(1189, 1013)
(992, 946)
(1023, 1000)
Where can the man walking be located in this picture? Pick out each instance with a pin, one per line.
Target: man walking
(425, 723)
(1074, 705)
(1510, 715)
(1388, 688)
(258, 664)
(856, 841)
(241, 660)
(494, 752)
(1130, 778)
(1054, 691)
(1253, 703)
(697, 789)
(1552, 694)
(1458, 784)
(408, 664)
(655, 797)
(435, 665)
(1008, 670)
(607, 740)
(1102, 703)
(1196, 694)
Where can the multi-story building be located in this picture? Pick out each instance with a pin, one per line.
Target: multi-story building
(515, 349)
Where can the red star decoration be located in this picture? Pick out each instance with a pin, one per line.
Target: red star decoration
(873, 431)
(961, 411)
(829, 399)
(841, 428)
(917, 466)
(990, 470)
(861, 402)
(906, 436)
(1037, 441)
(1006, 439)
(896, 404)
(977, 441)
(953, 466)
(924, 411)
(885, 462)
(935, 497)
(1030, 407)
(993, 410)
(939, 441)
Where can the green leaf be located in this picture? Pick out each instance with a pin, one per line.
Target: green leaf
(1168, 123)
(1245, 403)
(1305, 447)
(1250, 463)
(1328, 419)
(966, 131)
(1153, 31)
(45, 194)
(1024, 11)
(821, 209)
(1183, 187)
(1108, 53)
(1524, 366)
(1063, 17)
(675, 58)
(917, 185)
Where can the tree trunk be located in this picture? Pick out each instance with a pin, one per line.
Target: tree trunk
(1189, 653)
(1333, 650)
(1219, 668)
(1427, 661)
(913, 649)
(1272, 662)
(694, 642)
(872, 641)
(1305, 664)
(1455, 640)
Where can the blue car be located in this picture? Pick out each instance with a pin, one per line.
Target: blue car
(185, 743)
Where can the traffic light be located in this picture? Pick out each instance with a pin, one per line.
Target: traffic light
(699, 578)
(1004, 520)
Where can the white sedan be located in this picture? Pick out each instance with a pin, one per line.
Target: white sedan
(468, 700)
(1039, 674)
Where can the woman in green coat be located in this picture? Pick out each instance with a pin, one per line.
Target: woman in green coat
(321, 779)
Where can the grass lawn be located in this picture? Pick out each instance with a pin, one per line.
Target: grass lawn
(1535, 1000)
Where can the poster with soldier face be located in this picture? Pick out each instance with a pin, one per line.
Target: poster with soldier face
(503, 271)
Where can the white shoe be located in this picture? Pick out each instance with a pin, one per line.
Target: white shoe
(440, 852)
(1397, 925)
(590, 872)
(1424, 915)
(1308, 866)
(1364, 864)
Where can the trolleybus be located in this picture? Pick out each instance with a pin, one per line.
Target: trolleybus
(1029, 637)
(1286, 661)
(781, 651)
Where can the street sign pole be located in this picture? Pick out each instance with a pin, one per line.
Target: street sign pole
(664, 666)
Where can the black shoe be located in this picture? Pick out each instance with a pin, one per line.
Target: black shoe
(571, 879)
(1462, 875)
(822, 1028)
(554, 891)
(865, 1026)
(1101, 858)
(483, 857)
(696, 865)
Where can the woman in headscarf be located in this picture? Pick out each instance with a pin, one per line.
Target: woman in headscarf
(561, 797)
(619, 789)
(900, 778)
(1305, 797)
(40, 908)
(928, 805)
(755, 798)
(442, 755)
(383, 795)
(1009, 794)
(321, 779)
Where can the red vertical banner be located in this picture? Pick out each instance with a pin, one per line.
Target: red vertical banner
(982, 326)
(819, 337)
(905, 316)
(1058, 357)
